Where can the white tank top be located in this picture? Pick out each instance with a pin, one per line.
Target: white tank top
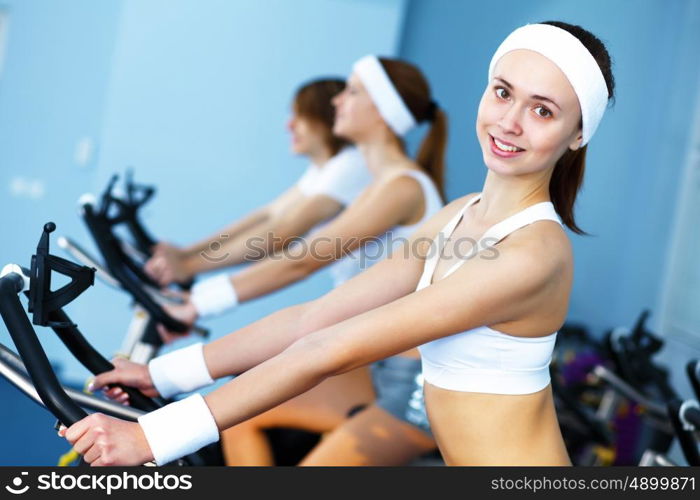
(377, 248)
(482, 359)
(343, 177)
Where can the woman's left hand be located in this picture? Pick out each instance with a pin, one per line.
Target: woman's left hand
(103, 441)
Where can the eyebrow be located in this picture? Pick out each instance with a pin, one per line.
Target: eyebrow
(537, 97)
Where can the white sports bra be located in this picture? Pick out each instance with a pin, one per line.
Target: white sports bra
(482, 359)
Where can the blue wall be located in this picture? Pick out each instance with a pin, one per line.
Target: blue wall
(195, 95)
(635, 160)
(52, 94)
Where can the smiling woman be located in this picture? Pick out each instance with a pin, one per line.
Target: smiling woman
(551, 104)
(485, 338)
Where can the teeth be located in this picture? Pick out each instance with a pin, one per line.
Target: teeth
(503, 147)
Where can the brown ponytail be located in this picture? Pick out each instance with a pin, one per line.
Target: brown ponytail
(415, 93)
(566, 180)
(567, 177)
(431, 155)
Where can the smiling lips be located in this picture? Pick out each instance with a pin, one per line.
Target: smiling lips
(504, 149)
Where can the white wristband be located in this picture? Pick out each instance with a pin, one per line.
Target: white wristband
(179, 429)
(180, 371)
(214, 296)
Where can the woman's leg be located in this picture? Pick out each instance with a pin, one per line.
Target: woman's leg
(321, 409)
(371, 437)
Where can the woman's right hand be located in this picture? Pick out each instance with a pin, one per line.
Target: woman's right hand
(185, 313)
(126, 373)
(166, 267)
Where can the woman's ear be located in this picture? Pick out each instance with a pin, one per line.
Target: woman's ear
(576, 144)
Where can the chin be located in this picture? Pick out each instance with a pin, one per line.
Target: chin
(339, 131)
(499, 166)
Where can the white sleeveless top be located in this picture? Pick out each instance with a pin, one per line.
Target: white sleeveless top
(482, 359)
(378, 248)
(343, 177)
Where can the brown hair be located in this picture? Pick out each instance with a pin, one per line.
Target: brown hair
(313, 102)
(567, 177)
(415, 93)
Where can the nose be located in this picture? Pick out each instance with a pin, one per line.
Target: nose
(290, 124)
(337, 99)
(510, 120)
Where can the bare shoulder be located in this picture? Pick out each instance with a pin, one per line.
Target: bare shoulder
(543, 246)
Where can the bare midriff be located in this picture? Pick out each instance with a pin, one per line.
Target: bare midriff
(495, 429)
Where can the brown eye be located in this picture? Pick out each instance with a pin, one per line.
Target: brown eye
(502, 93)
(543, 112)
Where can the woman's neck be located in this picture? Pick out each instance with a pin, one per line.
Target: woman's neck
(382, 152)
(503, 196)
(320, 157)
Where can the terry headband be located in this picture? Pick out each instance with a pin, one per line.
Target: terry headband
(384, 95)
(572, 58)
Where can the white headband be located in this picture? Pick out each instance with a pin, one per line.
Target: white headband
(572, 58)
(384, 95)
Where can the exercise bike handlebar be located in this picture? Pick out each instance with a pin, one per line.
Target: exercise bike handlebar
(128, 207)
(685, 418)
(114, 260)
(693, 371)
(91, 359)
(14, 371)
(629, 391)
(44, 379)
(689, 413)
(82, 255)
(136, 196)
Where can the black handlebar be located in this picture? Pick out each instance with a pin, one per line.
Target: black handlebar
(44, 379)
(115, 261)
(42, 301)
(115, 210)
(88, 356)
(633, 353)
(47, 308)
(137, 195)
(693, 371)
(679, 414)
(692, 415)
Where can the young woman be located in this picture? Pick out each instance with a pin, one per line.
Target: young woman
(383, 100)
(484, 323)
(336, 176)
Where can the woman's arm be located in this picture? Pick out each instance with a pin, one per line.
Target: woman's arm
(170, 263)
(268, 236)
(377, 210)
(250, 220)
